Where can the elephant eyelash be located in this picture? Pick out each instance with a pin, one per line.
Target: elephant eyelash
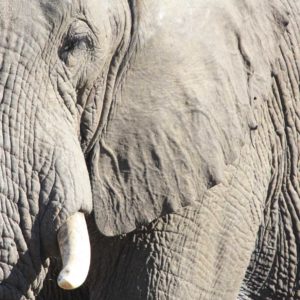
(80, 42)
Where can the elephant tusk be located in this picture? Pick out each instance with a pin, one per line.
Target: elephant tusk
(75, 250)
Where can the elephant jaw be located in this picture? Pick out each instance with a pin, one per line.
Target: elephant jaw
(75, 250)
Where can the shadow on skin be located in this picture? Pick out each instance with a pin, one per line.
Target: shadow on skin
(51, 290)
(23, 277)
(20, 280)
(16, 286)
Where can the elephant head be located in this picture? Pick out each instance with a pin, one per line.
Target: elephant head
(133, 109)
(52, 55)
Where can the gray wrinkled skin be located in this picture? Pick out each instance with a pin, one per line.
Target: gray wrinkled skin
(174, 125)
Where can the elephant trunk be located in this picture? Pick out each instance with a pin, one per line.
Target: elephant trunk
(74, 245)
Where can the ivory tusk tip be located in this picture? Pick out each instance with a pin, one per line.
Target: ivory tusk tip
(64, 284)
(67, 283)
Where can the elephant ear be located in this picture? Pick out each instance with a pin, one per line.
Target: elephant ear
(179, 119)
(170, 129)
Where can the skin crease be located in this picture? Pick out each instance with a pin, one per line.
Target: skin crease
(172, 125)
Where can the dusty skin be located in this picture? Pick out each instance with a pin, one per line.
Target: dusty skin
(159, 137)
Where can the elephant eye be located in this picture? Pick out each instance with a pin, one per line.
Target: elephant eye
(74, 47)
(77, 43)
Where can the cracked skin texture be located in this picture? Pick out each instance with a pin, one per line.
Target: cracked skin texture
(177, 120)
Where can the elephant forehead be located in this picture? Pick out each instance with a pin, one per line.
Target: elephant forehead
(17, 13)
(12, 11)
(23, 15)
(33, 22)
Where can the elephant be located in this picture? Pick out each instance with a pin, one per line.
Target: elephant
(149, 149)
